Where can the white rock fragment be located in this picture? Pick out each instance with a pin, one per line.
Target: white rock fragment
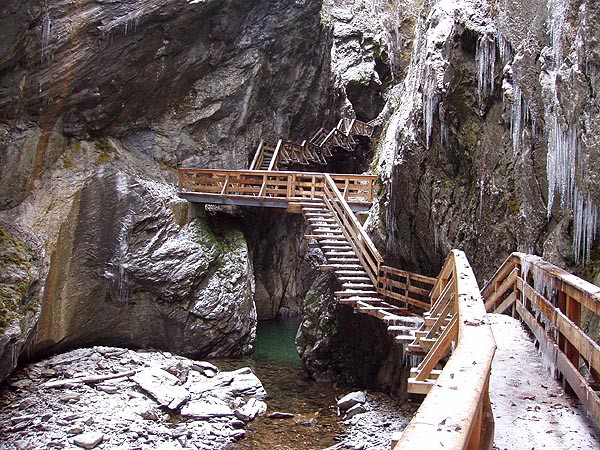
(351, 399)
(88, 440)
(204, 410)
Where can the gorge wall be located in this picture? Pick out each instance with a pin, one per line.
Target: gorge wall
(487, 113)
(100, 102)
(490, 140)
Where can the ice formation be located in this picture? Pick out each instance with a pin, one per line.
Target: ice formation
(485, 56)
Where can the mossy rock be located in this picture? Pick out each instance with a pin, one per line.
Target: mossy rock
(16, 279)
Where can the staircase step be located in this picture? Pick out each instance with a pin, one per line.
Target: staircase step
(343, 248)
(353, 292)
(403, 339)
(334, 253)
(351, 273)
(397, 330)
(354, 279)
(343, 260)
(357, 285)
(320, 219)
(352, 267)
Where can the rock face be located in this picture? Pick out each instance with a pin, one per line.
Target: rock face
(493, 136)
(336, 344)
(284, 265)
(99, 102)
(118, 398)
(145, 274)
(19, 294)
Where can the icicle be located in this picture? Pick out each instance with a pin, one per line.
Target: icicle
(516, 118)
(563, 152)
(557, 13)
(485, 56)
(504, 49)
(585, 225)
(46, 35)
(431, 102)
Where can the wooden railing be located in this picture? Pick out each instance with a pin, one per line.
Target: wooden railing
(407, 287)
(275, 185)
(456, 414)
(362, 245)
(550, 301)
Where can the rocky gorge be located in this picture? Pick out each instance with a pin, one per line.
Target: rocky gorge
(487, 132)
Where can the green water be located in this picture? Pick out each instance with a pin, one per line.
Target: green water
(276, 363)
(275, 343)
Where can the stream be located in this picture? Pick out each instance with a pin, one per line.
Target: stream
(315, 424)
(276, 363)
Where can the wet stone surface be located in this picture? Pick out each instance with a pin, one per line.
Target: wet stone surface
(105, 397)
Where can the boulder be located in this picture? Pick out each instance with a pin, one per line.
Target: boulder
(88, 440)
(351, 399)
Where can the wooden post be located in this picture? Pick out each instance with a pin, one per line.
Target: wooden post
(225, 185)
(255, 161)
(573, 312)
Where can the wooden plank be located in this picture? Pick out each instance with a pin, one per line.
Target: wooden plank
(505, 285)
(507, 303)
(438, 351)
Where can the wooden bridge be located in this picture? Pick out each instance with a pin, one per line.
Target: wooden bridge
(454, 335)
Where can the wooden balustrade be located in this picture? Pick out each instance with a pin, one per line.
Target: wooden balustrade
(365, 250)
(550, 301)
(277, 186)
(456, 414)
(410, 288)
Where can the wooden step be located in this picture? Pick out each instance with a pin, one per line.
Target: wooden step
(434, 375)
(343, 260)
(354, 279)
(401, 330)
(335, 241)
(338, 266)
(353, 292)
(324, 214)
(357, 273)
(357, 286)
(341, 247)
(340, 253)
(320, 219)
(403, 339)
(334, 231)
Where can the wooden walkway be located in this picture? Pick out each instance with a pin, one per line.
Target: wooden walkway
(454, 336)
(531, 408)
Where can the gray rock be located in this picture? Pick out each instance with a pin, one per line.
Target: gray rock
(88, 440)
(205, 368)
(251, 409)
(351, 399)
(199, 409)
(162, 387)
(354, 410)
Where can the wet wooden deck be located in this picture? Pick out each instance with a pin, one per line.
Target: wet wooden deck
(531, 409)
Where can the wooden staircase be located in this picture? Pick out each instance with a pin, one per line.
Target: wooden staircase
(281, 155)
(358, 289)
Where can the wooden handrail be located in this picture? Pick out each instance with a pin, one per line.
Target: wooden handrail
(458, 401)
(408, 287)
(257, 155)
(550, 301)
(287, 186)
(362, 245)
